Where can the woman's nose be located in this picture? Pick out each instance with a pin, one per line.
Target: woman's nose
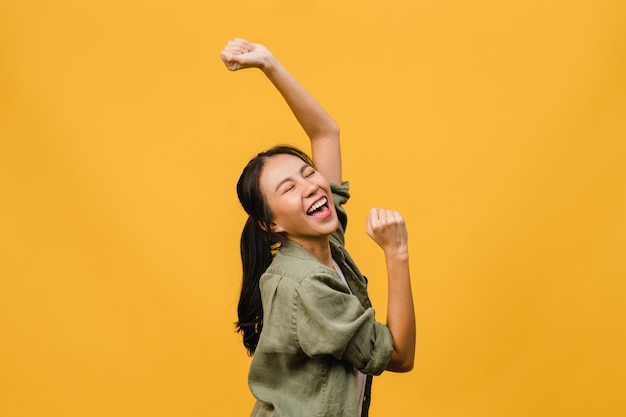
(310, 187)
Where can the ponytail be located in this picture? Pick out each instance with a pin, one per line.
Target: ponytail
(256, 256)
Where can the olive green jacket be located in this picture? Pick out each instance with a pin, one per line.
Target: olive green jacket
(316, 331)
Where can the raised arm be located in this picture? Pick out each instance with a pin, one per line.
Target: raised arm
(321, 129)
(387, 229)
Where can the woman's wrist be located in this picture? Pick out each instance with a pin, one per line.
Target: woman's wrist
(268, 64)
(400, 254)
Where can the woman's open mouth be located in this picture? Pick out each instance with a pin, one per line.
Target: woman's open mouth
(319, 208)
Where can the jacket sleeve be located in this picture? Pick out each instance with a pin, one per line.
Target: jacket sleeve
(341, 195)
(330, 321)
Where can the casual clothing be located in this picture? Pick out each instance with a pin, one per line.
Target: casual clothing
(316, 332)
(361, 378)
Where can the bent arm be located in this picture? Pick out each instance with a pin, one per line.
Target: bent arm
(387, 229)
(321, 129)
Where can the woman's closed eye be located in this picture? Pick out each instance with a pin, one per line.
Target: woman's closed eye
(288, 187)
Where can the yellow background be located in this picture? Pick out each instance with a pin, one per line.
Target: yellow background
(497, 128)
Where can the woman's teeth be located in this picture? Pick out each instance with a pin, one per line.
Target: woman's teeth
(317, 205)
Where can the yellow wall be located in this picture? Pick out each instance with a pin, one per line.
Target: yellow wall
(497, 128)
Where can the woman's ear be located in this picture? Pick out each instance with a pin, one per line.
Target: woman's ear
(276, 228)
(273, 227)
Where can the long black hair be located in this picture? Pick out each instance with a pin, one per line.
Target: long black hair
(257, 242)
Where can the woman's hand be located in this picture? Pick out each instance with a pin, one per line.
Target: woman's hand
(239, 54)
(388, 230)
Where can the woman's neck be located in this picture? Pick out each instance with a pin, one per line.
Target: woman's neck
(320, 248)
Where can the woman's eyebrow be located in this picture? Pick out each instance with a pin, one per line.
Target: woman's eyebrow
(302, 169)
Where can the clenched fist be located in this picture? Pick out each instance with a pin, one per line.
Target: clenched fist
(239, 54)
(387, 228)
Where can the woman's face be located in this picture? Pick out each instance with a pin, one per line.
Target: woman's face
(299, 198)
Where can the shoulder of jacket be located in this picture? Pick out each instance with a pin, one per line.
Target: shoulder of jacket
(296, 269)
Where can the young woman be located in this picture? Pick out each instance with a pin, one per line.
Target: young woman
(304, 310)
